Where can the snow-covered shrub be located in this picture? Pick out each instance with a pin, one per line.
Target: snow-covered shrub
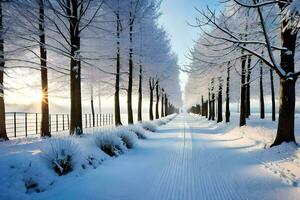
(138, 130)
(165, 120)
(93, 161)
(31, 179)
(161, 122)
(128, 137)
(61, 154)
(109, 143)
(149, 126)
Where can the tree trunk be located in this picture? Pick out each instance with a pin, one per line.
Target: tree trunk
(130, 75)
(248, 103)
(75, 69)
(162, 103)
(157, 102)
(227, 112)
(209, 106)
(273, 96)
(212, 99)
(220, 107)
(202, 106)
(166, 105)
(243, 94)
(92, 106)
(3, 134)
(117, 85)
(206, 109)
(213, 106)
(261, 89)
(45, 132)
(99, 101)
(151, 99)
(286, 120)
(140, 95)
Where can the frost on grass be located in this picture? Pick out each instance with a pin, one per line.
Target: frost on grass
(149, 126)
(128, 137)
(138, 130)
(109, 143)
(61, 155)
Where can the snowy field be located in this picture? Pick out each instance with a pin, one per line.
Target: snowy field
(188, 158)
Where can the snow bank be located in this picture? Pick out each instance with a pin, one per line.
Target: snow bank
(31, 165)
(153, 125)
(255, 139)
(140, 132)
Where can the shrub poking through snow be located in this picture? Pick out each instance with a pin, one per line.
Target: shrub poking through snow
(128, 137)
(109, 143)
(61, 155)
(138, 130)
(93, 161)
(161, 122)
(149, 126)
(30, 181)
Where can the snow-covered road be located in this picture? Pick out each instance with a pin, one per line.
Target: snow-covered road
(188, 159)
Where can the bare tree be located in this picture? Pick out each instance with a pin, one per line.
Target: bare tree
(261, 93)
(272, 95)
(285, 68)
(3, 134)
(227, 111)
(153, 82)
(157, 101)
(73, 11)
(45, 132)
(162, 102)
(220, 102)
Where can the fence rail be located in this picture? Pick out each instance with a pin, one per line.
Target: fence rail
(21, 124)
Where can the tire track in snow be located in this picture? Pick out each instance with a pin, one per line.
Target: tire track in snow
(189, 175)
(175, 179)
(212, 184)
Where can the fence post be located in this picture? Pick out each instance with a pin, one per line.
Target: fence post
(25, 124)
(105, 118)
(63, 118)
(100, 120)
(56, 122)
(15, 126)
(85, 120)
(36, 123)
(97, 120)
(90, 120)
(68, 121)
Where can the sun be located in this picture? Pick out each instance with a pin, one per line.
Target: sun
(36, 96)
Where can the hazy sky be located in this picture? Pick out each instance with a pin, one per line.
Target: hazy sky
(176, 14)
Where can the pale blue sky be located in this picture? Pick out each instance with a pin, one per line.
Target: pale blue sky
(175, 17)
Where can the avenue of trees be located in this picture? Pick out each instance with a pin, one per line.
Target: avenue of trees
(83, 49)
(248, 51)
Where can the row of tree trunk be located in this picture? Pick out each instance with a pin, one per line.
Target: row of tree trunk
(208, 110)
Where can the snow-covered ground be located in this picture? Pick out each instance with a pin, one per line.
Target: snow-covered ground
(189, 158)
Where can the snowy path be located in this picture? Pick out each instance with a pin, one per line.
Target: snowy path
(187, 160)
